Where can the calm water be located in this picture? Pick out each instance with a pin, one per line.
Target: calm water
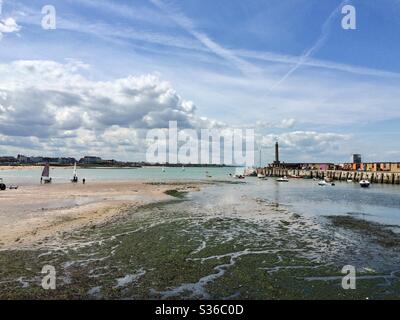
(378, 203)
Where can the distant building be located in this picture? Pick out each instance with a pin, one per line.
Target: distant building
(371, 166)
(90, 160)
(308, 166)
(8, 160)
(357, 158)
(22, 159)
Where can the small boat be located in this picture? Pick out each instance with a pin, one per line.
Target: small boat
(13, 187)
(75, 176)
(46, 174)
(365, 183)
(2, 185)
(328, 179)
(284, 179)
(349, 180)
(239, 173)
(295, 177)
(261, 176)
(322, 183)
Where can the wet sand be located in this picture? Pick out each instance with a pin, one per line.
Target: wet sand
(32, 214)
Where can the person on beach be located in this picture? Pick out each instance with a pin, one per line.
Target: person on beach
(83, 180)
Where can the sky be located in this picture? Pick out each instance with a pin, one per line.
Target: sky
(114, 68)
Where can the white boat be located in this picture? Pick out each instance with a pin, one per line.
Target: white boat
(75, 176)
(322, 183)
(349, 180)
(46, 174)
(284, 179)
(239, 173)
(365, 183)
(261, 176)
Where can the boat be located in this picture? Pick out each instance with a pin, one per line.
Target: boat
(349, 180)
(46, 174)
(295, 177)
(365, 183)
(262, 176)
(328, 179)
(163, 169)
(322, 183)
(239, 173)
(75, 176)
(2, 185)
(283, 179)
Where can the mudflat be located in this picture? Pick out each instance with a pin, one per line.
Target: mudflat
(31, 214)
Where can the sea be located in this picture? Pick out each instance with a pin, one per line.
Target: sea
(379, 203)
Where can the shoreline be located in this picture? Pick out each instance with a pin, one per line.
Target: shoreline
(32, 215)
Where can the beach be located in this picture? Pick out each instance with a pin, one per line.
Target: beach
(32, 214)
(168, 237)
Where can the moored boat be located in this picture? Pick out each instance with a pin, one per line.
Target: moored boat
(365, 183)
(283, 179)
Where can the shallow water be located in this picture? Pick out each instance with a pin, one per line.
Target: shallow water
(379, 203)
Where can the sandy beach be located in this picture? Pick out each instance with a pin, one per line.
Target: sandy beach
(32, 214)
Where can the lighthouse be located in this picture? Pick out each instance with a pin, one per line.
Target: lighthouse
(276, 162)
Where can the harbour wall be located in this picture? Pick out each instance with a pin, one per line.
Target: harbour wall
(374, 177)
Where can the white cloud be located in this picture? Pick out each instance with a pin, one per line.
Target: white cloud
(8, 25)
(61, 109)
(306, 141)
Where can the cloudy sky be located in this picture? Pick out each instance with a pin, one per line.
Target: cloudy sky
(114, 68)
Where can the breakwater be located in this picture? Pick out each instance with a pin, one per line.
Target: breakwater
(338, 175)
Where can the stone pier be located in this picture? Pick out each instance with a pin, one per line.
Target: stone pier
(374, 177)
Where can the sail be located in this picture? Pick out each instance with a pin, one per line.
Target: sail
(46, 171)
(239, 171)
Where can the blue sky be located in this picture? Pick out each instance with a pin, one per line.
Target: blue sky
(227, 59)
